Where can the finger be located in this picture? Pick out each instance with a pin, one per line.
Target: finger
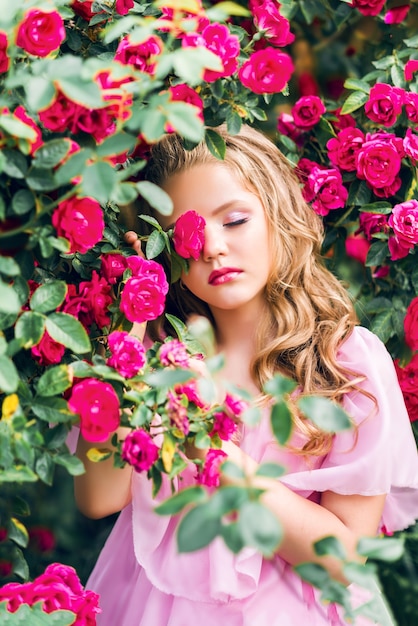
(131, 238)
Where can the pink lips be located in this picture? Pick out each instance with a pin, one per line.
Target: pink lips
(223, 275)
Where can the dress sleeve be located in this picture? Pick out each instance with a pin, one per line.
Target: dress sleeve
(379, 456)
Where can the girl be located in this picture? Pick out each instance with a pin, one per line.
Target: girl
(274, 308)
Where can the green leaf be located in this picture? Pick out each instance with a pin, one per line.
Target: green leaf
(156, 197)
(40, 179)
(44, 467)
(252, 416)
(384, 549)
(35, 616)
(9, 378)
(72, 464)
(18, 474)
(215, 143)
(324, 413)
(232, 470)
(15, 164)
(168, 377)
(16, 531)
(16, 128)
(116, 144)
(259, 528)
(380, 207)
(233, 121)
(49, 296)
(382, 325)
(313, 573)
(29, 328)
(354, 101)
(231, 8)
(232, 536)
(124, 193)
(53, 409)
(67, 330)
(330, 546)
(179, 327)
(397, 75)
(51, 153)
(355, 83)
(152, 123)
(359, 193)
(198, 528)
(190, 63)
(9, 267)
(155, 244)
(86, 93)
(54, 381)
(186, 121)
(279, 386)
(23, 201)
(270, 470)
(377, 253)
(176, 503)
(99, 180)
(39, 91)
(281, 422)
(73, 167)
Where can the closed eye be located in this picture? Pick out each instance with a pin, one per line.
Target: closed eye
(243, 220)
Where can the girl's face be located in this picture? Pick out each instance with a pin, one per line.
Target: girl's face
(235, 262)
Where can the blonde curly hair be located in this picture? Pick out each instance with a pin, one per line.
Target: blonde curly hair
(308, 312)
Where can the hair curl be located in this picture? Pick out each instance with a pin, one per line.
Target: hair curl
(308, 312)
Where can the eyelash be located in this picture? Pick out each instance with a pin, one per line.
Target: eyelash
(243, 220)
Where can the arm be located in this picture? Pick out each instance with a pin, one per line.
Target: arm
(347, 517)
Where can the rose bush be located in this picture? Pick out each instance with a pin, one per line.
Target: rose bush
(86, 87)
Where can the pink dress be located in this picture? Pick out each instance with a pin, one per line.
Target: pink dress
(143, 581)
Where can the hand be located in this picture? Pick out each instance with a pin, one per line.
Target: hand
(132, 239)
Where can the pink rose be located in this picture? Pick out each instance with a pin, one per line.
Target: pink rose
(408, 381)
(90, 302)
(411, 325)
(174, 352)
(48, 351)
(139, 450)
(371, 223)
(40, 32)
(266, 71)
(410, 68)
(97, 404)
(190, 390)
(267, 18)
(124, 6)
(357, 247)
(142, 55)
(369, 7)
(286, 126)
(307, 111)
(411, 106)
(343, 121)
(113, 266)
(59, 114)
(80, 220)
(143, 296)
(379, 161)
(15, 594)
(83, 8)
(397, 249)
(128, 353)
(396, 15)
(21, 114)
(188, 235)
(404, 221)
(328, 190)
(410, 144)
(209, 473)
(177, 412)
(42, 538)
(96, 122)
(216, 38)
(4, 59)
(223, 426)
(184, 93)
(384, 104)
(235, 406)
(190, 21)
(342, 149)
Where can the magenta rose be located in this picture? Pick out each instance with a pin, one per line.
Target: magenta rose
(90, 302)
(369, 7)
(371, 223)
(404, 221)
(189, 235)
(21, 114)
(143, 296)
(411, 106)
(4, 59)
(235, 406)
(328, 189)
(139, 450)
(142, 55)
(396, 15)
(48, 351)
(209, 473)
(267, 18)
(80, 220)
(286, 126)
(266, 71)
(113, 266)
(384, 104)
(357, 247)
(216, 38)
(128, 353)
(15, 594)
(184, 93)
(410, 144)
(408, 381)
(410, 68)
(223, 425)
(342, 149)
(59, 114)
(191, 392)
(411, 325)
(379, 161)
(174, 352)
(40, 32)
(96, 122)
(97, 404)
(124, 6)
(307, 111)
(177, 412)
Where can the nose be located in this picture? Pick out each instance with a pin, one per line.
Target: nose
(215, 244)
